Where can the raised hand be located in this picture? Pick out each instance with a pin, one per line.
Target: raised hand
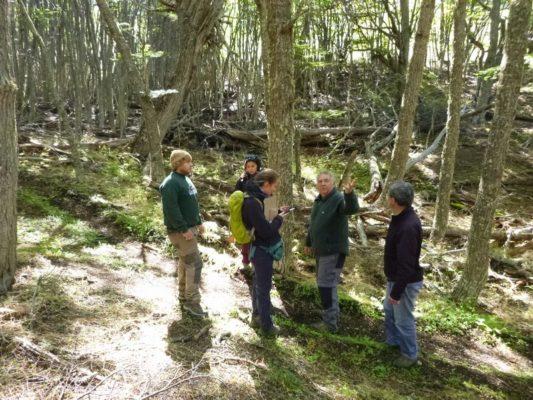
(348, 186)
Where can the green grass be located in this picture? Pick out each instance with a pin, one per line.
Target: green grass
(284, 380)
(112, 188)
(306, 292)
(439, 315)
(45, 229)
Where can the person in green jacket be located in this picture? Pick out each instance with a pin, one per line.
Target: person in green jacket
(327, 240)
(183, 222)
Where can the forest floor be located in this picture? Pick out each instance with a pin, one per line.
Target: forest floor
(94, 311)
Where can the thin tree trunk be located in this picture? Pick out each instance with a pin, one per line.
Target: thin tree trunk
(8, 154)
(154, 167)
(196, 22)
(442, 206)
(477, 261)
(405, 37)
(492, 54)
(49, 86)
(400, 154)
(279, 92)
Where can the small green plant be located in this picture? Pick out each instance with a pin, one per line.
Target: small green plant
(285, 380)
(143, 226)
(448, 317)
(381, 371)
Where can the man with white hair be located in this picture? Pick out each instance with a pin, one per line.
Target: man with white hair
(327, 239)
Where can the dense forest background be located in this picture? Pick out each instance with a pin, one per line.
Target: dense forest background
(94, 95)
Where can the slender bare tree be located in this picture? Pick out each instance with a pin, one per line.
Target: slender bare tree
(8, 154)
(442, 207)
(400, 154)
(196, 20)
(508, 87)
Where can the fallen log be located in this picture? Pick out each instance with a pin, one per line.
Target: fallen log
(421, 156)
(218, 185)
(309, 136)
(41, 147)
(510, 267)
(524, 117)
(453, 232)
(109, 143)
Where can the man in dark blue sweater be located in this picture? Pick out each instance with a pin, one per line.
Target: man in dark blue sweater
(403, 272)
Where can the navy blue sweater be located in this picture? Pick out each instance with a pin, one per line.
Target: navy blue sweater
(253, 215)
(241, 183)
(402, 251)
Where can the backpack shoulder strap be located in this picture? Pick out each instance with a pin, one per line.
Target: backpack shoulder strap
(246, 195)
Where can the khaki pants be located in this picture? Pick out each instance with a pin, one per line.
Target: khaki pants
(189, 267)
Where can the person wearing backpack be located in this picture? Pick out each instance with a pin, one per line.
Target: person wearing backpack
(266, 245)
(181, 213)
(252, 165)
(327, 239)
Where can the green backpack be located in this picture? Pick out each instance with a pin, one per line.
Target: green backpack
(236, 225)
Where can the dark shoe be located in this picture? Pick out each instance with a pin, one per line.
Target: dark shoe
(195, 310)
(272, 332)
(404, 362)
(321, 326)
(255, 322)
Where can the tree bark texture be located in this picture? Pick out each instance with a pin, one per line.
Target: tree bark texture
(400, 152)
(442, 206)
(279, 79)
(149, 125)
(8, 155)
(508, 87)
(492, 54)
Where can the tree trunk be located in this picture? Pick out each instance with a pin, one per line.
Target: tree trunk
(400, 154)
(149, 125)
(477, 261)
(279, 93)
(195, 24)
(405, 37)
(48, 78)
(492, 54)
(442, 206)
(8, 155)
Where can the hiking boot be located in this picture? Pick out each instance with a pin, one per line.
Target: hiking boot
(195, 310)
(404, 362)
(272, 332)
(255, 322)
(321, 326)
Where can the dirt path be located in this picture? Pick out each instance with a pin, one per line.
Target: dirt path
(146, 351)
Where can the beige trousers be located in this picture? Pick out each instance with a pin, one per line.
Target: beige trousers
(189, 267)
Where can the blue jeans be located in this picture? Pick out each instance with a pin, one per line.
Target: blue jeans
(262, 284)
(400, 324)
